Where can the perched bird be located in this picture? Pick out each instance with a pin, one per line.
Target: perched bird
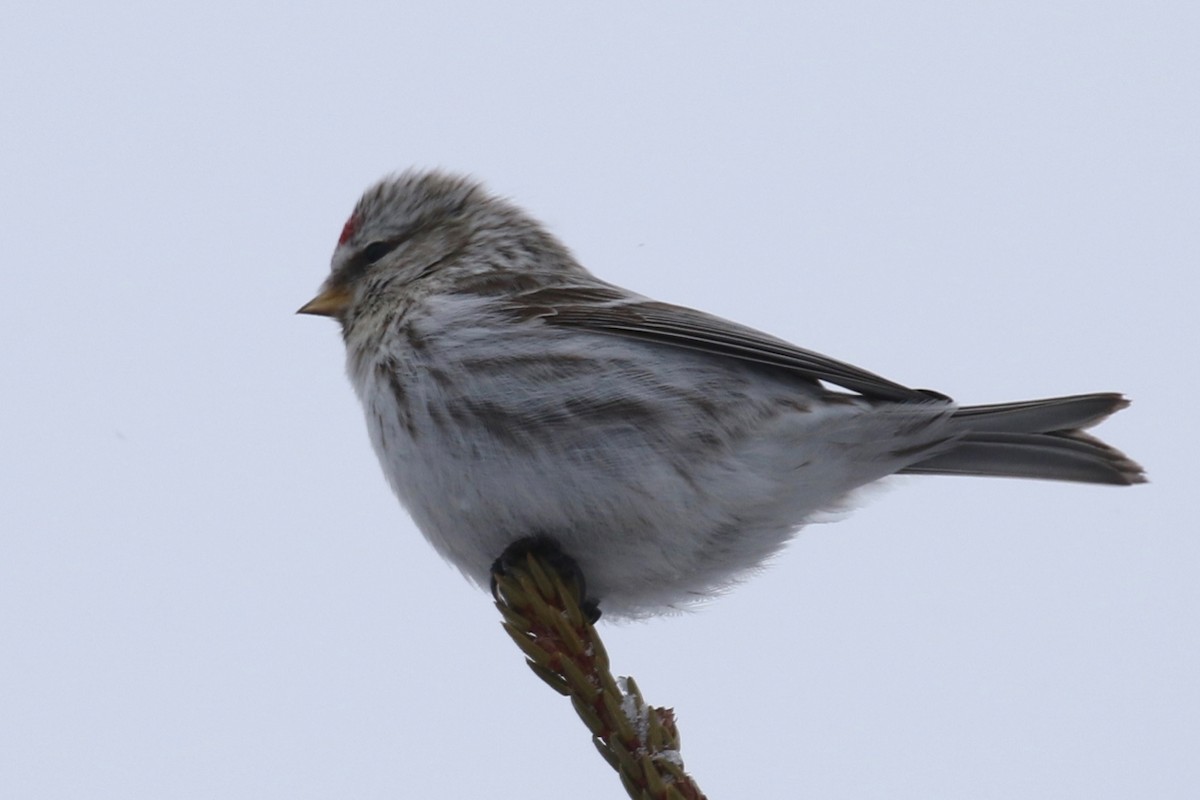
(515, 399)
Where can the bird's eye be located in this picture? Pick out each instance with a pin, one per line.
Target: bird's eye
(369, 255)
(363, 259)
(377, 250)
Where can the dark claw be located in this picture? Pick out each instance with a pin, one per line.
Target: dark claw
(549, 553)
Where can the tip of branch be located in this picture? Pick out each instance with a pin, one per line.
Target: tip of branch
(544, 615)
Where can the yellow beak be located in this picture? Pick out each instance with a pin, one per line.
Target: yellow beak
(331, 302)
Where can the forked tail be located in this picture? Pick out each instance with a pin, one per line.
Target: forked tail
(1036, 439)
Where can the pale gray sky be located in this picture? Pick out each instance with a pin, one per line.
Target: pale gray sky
(206, 588)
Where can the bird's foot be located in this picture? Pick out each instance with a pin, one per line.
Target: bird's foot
(548, 552)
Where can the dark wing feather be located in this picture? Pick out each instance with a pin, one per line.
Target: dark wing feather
(611, 311)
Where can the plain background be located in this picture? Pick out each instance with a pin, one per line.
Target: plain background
(207, 590)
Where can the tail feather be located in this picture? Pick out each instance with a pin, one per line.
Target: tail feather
(1035, 439)
(1042, 416)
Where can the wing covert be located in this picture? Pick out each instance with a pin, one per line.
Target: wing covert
(608, 310)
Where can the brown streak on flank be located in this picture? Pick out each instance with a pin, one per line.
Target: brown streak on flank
(697, 399)
(388, 372)
(793, 404)
(707, 407)
(405, 414)
(501, 424)
(546, 366)
(633, 412)
(708, 441)
(382, 429)
(385, 371)
(517, 429)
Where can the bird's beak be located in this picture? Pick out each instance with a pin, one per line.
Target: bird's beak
(331, 302)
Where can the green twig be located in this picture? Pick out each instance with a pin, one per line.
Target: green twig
(641, 742)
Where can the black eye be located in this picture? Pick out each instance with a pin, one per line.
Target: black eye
(377, 250)
(368, 256)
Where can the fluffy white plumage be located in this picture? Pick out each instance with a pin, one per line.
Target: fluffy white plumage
(511, 393)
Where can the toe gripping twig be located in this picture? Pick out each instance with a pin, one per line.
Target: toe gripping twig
(543, 616)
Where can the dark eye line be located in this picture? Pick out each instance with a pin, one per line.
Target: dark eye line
(370, 254)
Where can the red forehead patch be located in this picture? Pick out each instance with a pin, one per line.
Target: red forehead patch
(348, 229)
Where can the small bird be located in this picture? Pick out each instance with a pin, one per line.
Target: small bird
(516, 400)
